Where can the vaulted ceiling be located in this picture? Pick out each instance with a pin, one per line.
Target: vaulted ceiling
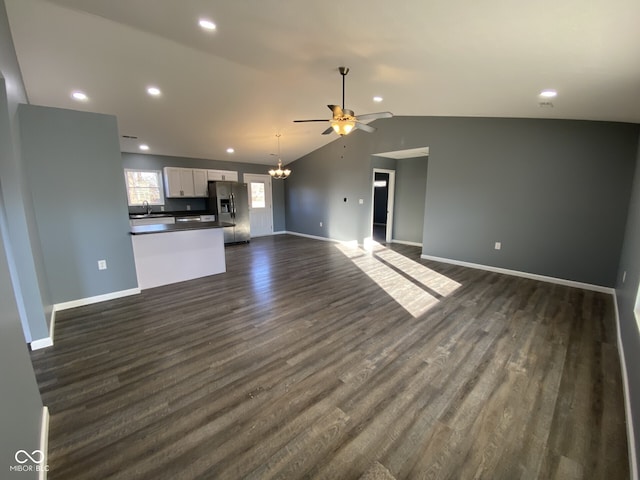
(269, 62)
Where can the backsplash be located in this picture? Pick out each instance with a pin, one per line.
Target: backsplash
(175, 205)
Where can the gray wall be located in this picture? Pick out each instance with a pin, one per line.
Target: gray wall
(158, 162)
(554, 192)
(74, 171)
(34, 300)
(322, 180)
(626, 297)
(20, 403)
(411, 186)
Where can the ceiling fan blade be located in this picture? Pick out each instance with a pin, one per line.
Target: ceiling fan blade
(298, 121)
(374, 116)
(365, 127)
(328, 131)
(336, 109)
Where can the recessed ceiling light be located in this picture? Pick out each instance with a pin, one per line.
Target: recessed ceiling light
(230, 150)
(143, 146)
(548, 93)
(207, 24)
(81, 96)
(155, 91)
(377, 99)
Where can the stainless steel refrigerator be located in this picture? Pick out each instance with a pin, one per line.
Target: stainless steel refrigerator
(229, 201)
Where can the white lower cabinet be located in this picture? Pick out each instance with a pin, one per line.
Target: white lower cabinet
(170, 257)
(152, 221)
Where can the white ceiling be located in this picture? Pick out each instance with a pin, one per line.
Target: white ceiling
(272, 61)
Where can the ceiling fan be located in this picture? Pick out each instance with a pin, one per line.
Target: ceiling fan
(344, 120)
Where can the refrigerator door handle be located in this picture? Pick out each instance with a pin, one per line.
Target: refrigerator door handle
(233, 205)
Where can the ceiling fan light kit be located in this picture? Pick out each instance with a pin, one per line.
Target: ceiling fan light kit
(344, 121)
(343, 127)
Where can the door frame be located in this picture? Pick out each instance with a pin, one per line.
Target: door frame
(390, 197)
(268, 181)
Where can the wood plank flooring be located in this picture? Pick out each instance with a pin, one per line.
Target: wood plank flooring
(311, 360)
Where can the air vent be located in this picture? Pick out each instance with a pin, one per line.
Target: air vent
(545, 104)
(130, 136)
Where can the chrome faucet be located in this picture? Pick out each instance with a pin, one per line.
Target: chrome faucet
(147, 207)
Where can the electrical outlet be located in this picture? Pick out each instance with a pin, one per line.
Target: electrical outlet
(498, 245)
(320, 223)
(188, 207)
(162, 208)
(361, 201)
(102, 264)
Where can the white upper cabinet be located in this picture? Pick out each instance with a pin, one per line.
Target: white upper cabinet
(200, 179)
(178, 182)
(226, 175)
(192, 182)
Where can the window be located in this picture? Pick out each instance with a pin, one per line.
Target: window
(144, 185)
(257, 195)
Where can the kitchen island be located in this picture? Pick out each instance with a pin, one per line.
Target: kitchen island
(170, 253)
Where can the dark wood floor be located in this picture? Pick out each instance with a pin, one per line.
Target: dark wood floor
(306, 360)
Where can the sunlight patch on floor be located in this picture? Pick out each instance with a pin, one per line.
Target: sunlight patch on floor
(431, 279)
(399, 277)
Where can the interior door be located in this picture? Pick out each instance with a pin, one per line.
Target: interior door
(260, 204)
(388, 182)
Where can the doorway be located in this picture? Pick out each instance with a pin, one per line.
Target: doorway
(260, 204)
(383, 189)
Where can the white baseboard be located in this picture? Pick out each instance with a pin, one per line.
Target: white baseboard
(325, 239)
(280, 232)
(631, 439)
(52, 323)
(97, 299)
(41, 343)
(405, 242)
(315, 237)
(44, 443)
(516, 273)
(47, 341)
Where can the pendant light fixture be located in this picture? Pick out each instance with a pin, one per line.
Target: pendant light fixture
(279, 172)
